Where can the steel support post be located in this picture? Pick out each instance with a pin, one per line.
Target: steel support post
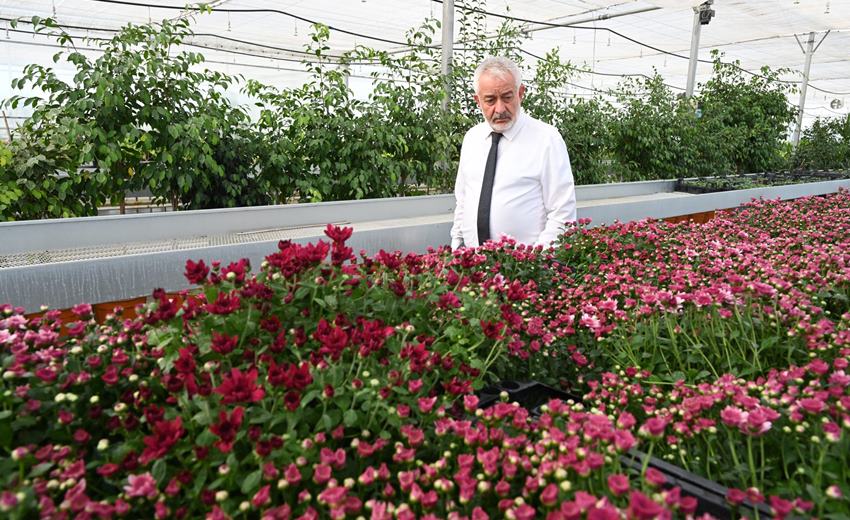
(448, 43)
(692, 64)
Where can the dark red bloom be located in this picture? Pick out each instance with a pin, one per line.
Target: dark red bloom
(224, 344)
(165, 435)
(185, 363)
(226, 428)
(196, 272)
(223, 304)
(239, 387)
(492, 330)
(292, 400)
(338, 234)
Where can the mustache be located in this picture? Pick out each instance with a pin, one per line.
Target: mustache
(501, 115)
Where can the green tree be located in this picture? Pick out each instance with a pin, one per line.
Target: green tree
(752, 110)
(825, 145)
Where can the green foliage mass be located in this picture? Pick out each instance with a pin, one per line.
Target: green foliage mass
(144, 114)
(825, 145)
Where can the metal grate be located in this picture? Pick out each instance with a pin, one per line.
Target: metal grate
(137, 248)
(29, 258)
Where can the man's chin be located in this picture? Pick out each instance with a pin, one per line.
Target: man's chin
(502, 126)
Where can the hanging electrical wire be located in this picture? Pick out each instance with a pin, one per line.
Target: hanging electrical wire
(628, 38)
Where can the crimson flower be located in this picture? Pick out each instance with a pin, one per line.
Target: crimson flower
(226, 428)
(165, 435)
(224, 344)
(338, 234)
(196, 272)
(239, 387)
(223, 304)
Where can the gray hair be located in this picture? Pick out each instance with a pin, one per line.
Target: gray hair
(498, 65)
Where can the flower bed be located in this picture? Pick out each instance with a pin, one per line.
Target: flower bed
(331, 385)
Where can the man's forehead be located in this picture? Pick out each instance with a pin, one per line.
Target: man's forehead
(494, 83)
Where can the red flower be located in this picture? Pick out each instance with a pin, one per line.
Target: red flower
(226, 428)
(492, 330)
(240, 387)
(338, 234)
(223, 304)
(224, 344)
(165, 435)
(196, 273)
(185, 363)
(292, 400)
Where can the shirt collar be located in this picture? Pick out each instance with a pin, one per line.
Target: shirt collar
(511, 132)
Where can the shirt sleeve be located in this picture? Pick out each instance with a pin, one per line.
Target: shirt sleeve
(460, 187)
(559, 194)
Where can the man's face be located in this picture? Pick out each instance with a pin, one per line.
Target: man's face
(499, 100)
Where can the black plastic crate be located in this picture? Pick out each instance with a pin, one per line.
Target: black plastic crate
(711, 496)
(531, 395)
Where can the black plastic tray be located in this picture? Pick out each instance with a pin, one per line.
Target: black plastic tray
(711, 496)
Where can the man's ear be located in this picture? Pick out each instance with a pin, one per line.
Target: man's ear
(521, 92)
(477, 100)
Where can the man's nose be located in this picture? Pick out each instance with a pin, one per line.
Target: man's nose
(500, 106)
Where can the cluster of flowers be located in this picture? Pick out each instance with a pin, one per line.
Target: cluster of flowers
(327, 385)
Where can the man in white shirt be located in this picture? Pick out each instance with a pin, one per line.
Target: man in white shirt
(514, 177)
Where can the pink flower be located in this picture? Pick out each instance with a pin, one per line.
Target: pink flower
(654, 477)
(732, 416)
(333, 495)
(735, 496)
(142, 485)
(654, 427)
(780, 506)
(618, 484)
(549, 495)
(8, 500)
(426, 404)
(292, 474)
(642, 507)
(811, 405)
(262, 496)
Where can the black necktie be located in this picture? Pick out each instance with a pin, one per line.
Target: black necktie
(487, 191)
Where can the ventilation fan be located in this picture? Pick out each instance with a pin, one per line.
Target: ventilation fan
(836, 104)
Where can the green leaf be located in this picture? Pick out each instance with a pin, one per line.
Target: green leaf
(350, 418)
(251, 482)
(158, 471)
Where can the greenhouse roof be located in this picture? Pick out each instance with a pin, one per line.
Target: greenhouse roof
(265, 39)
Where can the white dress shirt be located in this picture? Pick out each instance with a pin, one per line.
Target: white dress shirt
(533, 190)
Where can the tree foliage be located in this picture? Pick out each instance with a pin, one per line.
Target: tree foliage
(145, 114)
(825, 145)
